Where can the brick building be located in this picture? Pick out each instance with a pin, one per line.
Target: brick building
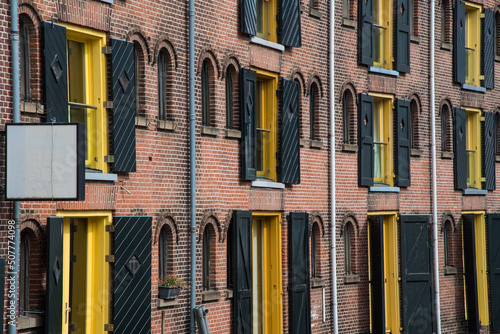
(383, 171)
(262, 165)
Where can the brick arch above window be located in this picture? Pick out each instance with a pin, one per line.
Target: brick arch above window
(314, 78)
(163, 43)
(297, 75)
(316, 218)
(230, 59)
(136, 35)
(207, 53)
(349, 218)
(447, 216)
(212, 220)
(165, 219)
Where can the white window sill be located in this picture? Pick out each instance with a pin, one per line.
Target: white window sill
(473, 191)
(267, 184)
(89, 176)
(384, 189)
(380, 70)
(474, 88)
(263, 42)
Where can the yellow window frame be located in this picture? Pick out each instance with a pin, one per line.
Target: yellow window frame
(391, 271)
(383, 145)
(95, 92)
(271, 292)
(481, 267)
(266, 21)
(473, 44)
(383, 33)
(97, 292)
(473, 147)
(268, 127)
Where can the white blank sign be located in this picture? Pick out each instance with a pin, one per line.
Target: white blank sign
(45, 161)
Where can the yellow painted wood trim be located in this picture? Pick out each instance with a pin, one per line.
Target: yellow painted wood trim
(481, 267)
(382, 95)
(474, 213)
(85, 214)
(382, 213)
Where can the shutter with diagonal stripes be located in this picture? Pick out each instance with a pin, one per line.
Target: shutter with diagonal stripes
(55, 72)
(242, 271)
(53, 309)
(289, 168)
(469, 251)
(289, 23)
(459, 150)
(376, 235)
(365, 140)
(494, 261)
(459, 42)
(403, 133)
(417, 274)
(124, 105)
(489, 147)
(300, 301)
(248, 110)
(488, 48)
(248, 17)
(365, 32)
(132, 275)
(402, 51)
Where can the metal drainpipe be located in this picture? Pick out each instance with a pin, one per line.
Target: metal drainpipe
(192, 166)
(433, 164)
(332, 167)
(14, 38)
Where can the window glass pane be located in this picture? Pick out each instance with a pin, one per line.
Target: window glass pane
(206, 259)
(162, 89)
(24, 61)
(312, 110)
(347, 249)
(205, 93)
(377, 149)
(446, 244)
(345, 9)
(229, 98)
(346, 101)
(260, 127)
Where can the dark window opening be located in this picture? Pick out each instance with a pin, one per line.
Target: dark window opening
(230, 278)
(24, 274)
(205, 92)
(24, 61)
(348, 249)
(313, 112)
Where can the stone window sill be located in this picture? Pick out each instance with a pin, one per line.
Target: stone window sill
(231, 133)
(317, 282)
(474, 88)
(351, 278)
(90, 176)
(475, 192)
(268, 184)
(415, 153)
(316, 143)
(29, 321)
(141, 121)
(210, 296)
(229, 293)
(446, 46)
(415, 39)
(263, 42)
(166, 125)
(448, 270)
(384, 189)
(380, 70)
(497, 158)
(349, 23)
(446, 155)
(31, 107)
(497, 58)
(303, 142)
(209, 131)
(160, 303)
(315, 13)
(350, 148)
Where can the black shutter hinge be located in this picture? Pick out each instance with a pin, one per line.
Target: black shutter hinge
(278, 92)
(110, 228)
(109, 258)
(106, 50)
(109, 158)
(108, 104)
(109, 327)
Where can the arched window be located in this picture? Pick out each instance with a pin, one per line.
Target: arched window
(229, 252)
(139, 75)
(24, 60)
(232, 101)
(315, 251)
(497, 37)
(164, 83)
(347, 105)
(445, 21)
(445, 128)
(446, 242)
(206, 93)
(24, 273)
(208, 257)
(313, 112)
(165, 252)
(414, 123)
(348, 249)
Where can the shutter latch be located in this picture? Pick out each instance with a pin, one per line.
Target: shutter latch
(109, 327)
(110, 258)
(110, 228)
(109, 158)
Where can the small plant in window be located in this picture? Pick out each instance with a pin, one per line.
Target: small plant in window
(169, 287)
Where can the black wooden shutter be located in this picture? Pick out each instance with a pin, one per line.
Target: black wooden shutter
(124, 105)
(248, 109)
(403, 135)
(365, 140)
(132, 275)
(494, 258)
(460, 157)
(459, 42)
(469, 252)
(365, 32)
(248, 17)
(488, 60)
(289, 23)
(489, 147)
(55, 72)
(242, 272)
(54, 304)
(402, 52)
(300, 299)
(417, 271)
(377, 274)
(289, 168)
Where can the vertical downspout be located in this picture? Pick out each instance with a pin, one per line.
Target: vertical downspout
(192, 166)
(332, 167)
(433, 153)
(14, 38)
